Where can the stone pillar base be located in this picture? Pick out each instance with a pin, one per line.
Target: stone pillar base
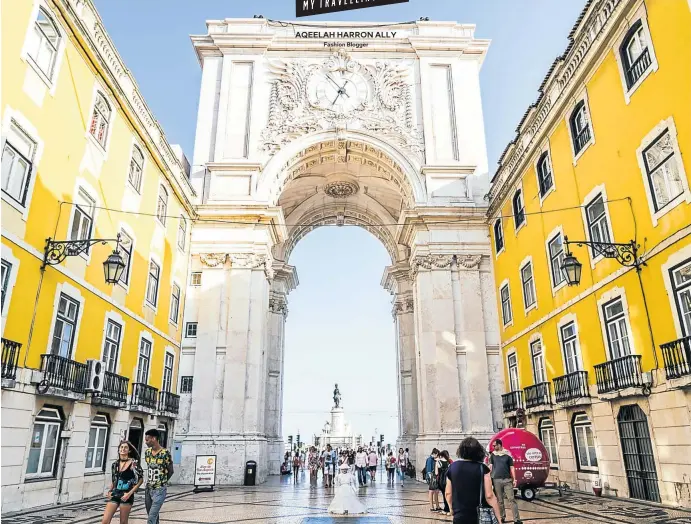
(443, 441)
(276, 452)
(232, 452)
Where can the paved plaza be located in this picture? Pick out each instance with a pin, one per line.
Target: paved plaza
(281, 501)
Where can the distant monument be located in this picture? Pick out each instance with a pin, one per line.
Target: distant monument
(338, 432)
(337, 397)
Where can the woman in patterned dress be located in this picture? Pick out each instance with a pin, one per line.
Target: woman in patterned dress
(313, 464)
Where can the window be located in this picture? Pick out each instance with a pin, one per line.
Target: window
(662, 171)
(580, 127)
(196, 278)
(635, 55)
(513, 371)
(191, 330)
(100, 120)
(617, 329)
(136, 168)
(65, 326)
(96, 447)
(681, 285)
(174, 303)
(528, 285)
(569, 344)
(585, 442)
(518, 210)
(5, 281)
(44, 42)
(505, 304)
(186, 384)
(538, 359)
(44, 443)
(17, 163)
(556, 259)
(498, 236)
(152, 283)
(112, 345)
(83, 218)
(549, 439)
(144, 361)
(168, 371)
(162, 208)
(126, 245)
(182, 232)
(598, 228)
(544, 174)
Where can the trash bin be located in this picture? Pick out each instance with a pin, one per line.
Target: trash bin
(250, 473)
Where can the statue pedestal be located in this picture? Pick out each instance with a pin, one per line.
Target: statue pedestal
(337, 422)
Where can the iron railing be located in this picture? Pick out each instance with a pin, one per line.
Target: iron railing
(620, 373)
(114, 387)
(639, 66)
(582, 138)
(571, 386)
(10, 358)
(169, 402)
(537, 395)
(512, 401)
(144, 395)
(63, 373)
(676, 354)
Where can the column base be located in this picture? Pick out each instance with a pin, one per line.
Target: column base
(443, 441)
(276, 451)
(232, 452)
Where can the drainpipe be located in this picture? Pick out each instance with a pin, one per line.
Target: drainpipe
(62, 464)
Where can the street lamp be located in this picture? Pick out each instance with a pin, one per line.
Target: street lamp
(626, 254)
(58, 250)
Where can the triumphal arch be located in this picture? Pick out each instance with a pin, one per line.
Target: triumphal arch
(322, 124)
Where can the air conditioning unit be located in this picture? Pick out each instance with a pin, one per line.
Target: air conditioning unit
(95, 371)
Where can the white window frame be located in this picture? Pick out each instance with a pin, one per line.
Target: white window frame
(182, 228)
(563, 322)
(509, 367)
(72, 292)
(183, 389)
(49, 81)
(13, 117)
(192, 275)
(168, 353)
(537, 351)
(101, 425)
(589, 199)
(494, 236)
(582, 96)
(47, 421)
(548, 437)
(126, 230)
(84, 186)
(544, 153)
(8, 256)
(162, 219)
(150, 305)
(631, 20)
(685, 195)
(583, 426)
(606, 298)
(176, 320)
(101, 94)
(674, 260)
(528, 261)
(187, 329)
(115, 317)
(136, 147)
(556, 231)
(505, 324)
(144, 336)
(518, 227)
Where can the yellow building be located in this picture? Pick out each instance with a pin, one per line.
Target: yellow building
(601, 370)
(83, 158)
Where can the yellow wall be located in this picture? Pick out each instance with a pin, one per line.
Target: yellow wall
(611, 161)
(61, 119)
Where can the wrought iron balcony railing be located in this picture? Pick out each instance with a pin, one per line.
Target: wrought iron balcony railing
(676, 354)
(114, 388)
(582, 139)
(144, 395)
(537, 395)
(512, 401)
(63, 373)
(10, 358)
(169, 402)
(639, 66)
(571, 386)
(620, 373)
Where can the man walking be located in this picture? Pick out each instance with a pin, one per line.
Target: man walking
(504, 479)
(159, 470)
(328, 460)
(372, 460)
(361, 466)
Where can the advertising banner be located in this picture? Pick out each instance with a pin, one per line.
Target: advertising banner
(205, 471)
(319, 7)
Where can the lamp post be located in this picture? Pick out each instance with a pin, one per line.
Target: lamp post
(58, 250)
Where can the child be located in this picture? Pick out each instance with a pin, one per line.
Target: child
(390, 466)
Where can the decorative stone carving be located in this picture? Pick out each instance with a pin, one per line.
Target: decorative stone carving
(469, 261)
(429, 262)
(341, 189)
(213, 259)
(402, 305)
(252, 261)
(388, 109)
(279, 305)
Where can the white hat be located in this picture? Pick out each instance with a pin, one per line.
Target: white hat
(344, 466)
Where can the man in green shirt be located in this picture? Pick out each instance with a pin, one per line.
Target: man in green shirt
(159, 470)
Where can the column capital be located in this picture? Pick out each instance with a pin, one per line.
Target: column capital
(402, 305)
(213, 259)
(252, 261)
(430, 262)
(278, 304)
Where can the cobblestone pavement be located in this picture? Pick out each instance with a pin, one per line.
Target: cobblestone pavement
(280, 501)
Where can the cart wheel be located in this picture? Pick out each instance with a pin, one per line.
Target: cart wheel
(528, 493)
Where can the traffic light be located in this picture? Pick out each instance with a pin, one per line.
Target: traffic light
(290, 440)
(298, 441)
(381, 438)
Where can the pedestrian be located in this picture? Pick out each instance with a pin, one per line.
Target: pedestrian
(372, 460)
(432, 480)
(361, 466)
(504, 479)
(126, 476)
(401, 465)
(159, 465)
(313, 464)
(469, 486)
(442, 467)
(327, 464)
(296, 467)
(390, 467)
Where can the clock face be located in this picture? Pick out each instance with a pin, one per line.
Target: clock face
(339, 91)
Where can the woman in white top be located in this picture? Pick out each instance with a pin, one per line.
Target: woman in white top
(401, 465)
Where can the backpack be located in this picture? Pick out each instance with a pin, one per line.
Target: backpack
(443, 469)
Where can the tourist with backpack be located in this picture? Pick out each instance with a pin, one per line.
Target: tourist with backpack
(442, 467)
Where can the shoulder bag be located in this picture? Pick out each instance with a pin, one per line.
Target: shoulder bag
(484, 515)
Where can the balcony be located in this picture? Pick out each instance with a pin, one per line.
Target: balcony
(144, 398)
(114, 391)
(676, 354)
(512, 401)
(571, 387)
(168, 403)
(618, 374)
(582, 139)
(10, 358)
(61, 377)
(636, 70)
(537, 395)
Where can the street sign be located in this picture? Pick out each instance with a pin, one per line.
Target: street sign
(319, 7)
(205, 472)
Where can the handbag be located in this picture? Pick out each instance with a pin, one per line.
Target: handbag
(484, 515)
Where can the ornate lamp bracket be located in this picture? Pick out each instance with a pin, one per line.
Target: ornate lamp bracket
(626, 254)
(58, 250)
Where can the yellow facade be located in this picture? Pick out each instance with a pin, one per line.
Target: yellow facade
(625, 118)
(50, 99)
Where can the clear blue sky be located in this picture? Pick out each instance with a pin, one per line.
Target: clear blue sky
(340, 326)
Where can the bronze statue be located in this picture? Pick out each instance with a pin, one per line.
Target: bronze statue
(337, 397)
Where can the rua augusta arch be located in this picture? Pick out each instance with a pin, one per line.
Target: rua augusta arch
(291, 136)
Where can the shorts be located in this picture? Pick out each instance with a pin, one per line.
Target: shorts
(128, 502)
(373, 468)
(328, 469)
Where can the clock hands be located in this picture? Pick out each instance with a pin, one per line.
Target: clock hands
(341, 89)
